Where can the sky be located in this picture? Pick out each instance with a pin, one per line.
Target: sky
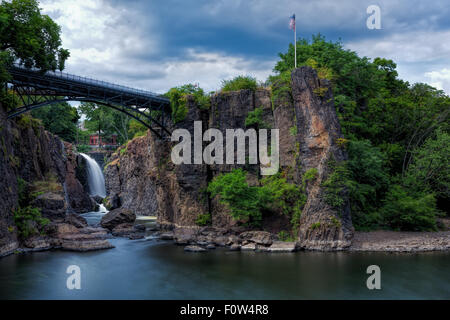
(155, 45)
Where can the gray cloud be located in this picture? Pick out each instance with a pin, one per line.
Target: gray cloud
(155, 45)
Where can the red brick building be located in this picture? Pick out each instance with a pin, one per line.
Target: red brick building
(95, 140)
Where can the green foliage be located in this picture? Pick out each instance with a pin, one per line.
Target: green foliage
(336, 184)
(239, 83)
(309, 175)
(203, 219)
(136, 129)
(249, 202)
(245, 202)
(83, 148)
(315, 225)
(406, 210)
(254, 119)
(26, 121)
(178, 98)
(430, 167)
(281, 88)
(283, 235)
(293, 131)
(281, 195)
(29, 37)
(396, 136)
(60, 119)
(368, 181)
(29, 221)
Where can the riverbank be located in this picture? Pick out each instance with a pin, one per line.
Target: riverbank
(206, 238)
(85, 234)
(396, 241)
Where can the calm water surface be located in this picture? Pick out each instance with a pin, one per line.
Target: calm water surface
(152, 269)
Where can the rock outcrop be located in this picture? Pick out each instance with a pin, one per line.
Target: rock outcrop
(142, 177)
(117, 217)
(321, 226)
(37, 165)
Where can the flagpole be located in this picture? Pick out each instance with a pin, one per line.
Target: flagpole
(295, 43)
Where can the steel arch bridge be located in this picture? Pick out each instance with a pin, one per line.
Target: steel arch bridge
(36, 89)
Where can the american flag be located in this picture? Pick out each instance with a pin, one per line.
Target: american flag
(292, 22)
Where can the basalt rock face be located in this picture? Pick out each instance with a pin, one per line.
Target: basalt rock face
(144, 179)
(8, 190)
(321, 226)
(36, 164)
(79, 200)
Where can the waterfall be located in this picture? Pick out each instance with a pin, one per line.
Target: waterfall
(96, 180)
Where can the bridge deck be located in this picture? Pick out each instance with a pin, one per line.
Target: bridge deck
(64, 84)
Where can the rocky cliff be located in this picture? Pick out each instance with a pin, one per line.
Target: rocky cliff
(38, 166)
(141, 176)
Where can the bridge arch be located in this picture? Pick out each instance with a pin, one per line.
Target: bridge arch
(36, 89)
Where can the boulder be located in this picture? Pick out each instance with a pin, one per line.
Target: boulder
(75, 220)
(259, 237)
(194, 249)
(53, 205)
(235, 247)
(282, 246)
(87, 245)
(39, 243)
(98, 199)
(166, 236)
(249, 247)
(116, 217)
(185, 236)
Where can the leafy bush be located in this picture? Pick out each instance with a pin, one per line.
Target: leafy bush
(281, 88)
(254, 119)
(136, 129)
(239, 83)
(249, 202)
(29, 221)
(178, 98)
(203, 219)
(368, 181)
(336, 184)
(83, 148)
(281, 195)
(404, 210)
(285, 236)
(245, 202)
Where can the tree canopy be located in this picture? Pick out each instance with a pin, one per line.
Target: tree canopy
(396, 133)
(29, 38)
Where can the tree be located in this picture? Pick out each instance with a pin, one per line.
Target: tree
(60, 119)
(28, 37)
(98, 118)
(396, 135)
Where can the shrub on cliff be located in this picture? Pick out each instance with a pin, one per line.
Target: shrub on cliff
(249, 202)
(239, 83)
(29, 221)
(244, 201)
(178, 98)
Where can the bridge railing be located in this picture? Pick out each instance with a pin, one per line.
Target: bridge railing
(86, 80)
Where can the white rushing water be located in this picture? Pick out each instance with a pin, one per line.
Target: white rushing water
(96, 180)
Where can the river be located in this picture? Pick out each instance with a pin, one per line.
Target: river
(154, 269)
